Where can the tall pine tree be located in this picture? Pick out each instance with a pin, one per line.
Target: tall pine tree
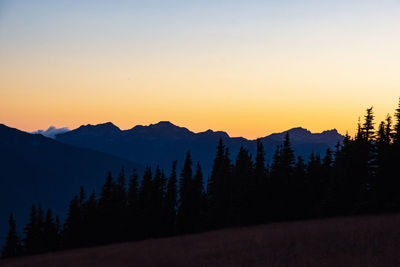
(171, 201)
(185, 183)
(219, 189)
(133, 205)
(12, 248)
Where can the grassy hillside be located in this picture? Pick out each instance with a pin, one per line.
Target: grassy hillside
(360, 241)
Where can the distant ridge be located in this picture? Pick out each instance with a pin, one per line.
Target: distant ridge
(300, 134)
(167, 127)
(162, 142)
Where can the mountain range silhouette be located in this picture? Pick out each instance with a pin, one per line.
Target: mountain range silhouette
(163, 142)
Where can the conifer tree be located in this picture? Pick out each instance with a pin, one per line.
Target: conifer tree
(300, 169)
(276, 183)
(198, 203)
(368, 126)
(327, 161)
(244, 188)
(359, 134)
(146, 186)
(286, 183)
(120, 220)
(219, 188)
(261, 197)
(133, 190)
(12, 247)
(385, 132)
(381, 134)
(396, 136)
(145, 213)
(260, 170)
(109, 209)
(59, 231)
(393, 160)
(327, 184)
(50, 233)
(158, 187)
(82, 195)
(386, 182)
(107, 191)
(300, 206)
(388, 129)
(121, 194)
(216, 171)
(164, 227)
(157, 202)
(186, 177)
(171, 201)
(185, 184)
(40, 222)
(287, 157)
(367, 171)
(163, 187)
(358, 169)
(73, 225)
(282, 179)
(90, 220)
(133, 205)
(32, 232)
(314, 174)
(276, 164)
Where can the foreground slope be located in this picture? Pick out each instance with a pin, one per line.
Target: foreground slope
(37, 169)
(360, 241)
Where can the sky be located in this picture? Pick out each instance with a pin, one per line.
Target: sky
(249, 68)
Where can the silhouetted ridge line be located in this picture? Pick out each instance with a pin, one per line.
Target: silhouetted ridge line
(159, 142)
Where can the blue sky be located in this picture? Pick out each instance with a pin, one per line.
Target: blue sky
(143, 61)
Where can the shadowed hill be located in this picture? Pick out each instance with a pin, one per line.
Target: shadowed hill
(37, 169)
(162, 142)
(360, 241)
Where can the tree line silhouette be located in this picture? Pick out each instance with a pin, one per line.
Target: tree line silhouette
(359, 176)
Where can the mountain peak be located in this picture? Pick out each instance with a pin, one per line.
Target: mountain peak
(300, 134)
(164, 124)
(210, 133)
(330, 132)
(158, 130)
(106, 125)
(298, 130)
(101, 129)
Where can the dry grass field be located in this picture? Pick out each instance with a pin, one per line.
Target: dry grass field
(359, 241)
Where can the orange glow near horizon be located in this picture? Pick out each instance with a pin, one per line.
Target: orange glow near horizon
(249, 72)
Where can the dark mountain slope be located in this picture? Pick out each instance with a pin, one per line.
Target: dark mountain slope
(37, 169)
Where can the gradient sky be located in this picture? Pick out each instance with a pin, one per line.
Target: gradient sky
(246, 67)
